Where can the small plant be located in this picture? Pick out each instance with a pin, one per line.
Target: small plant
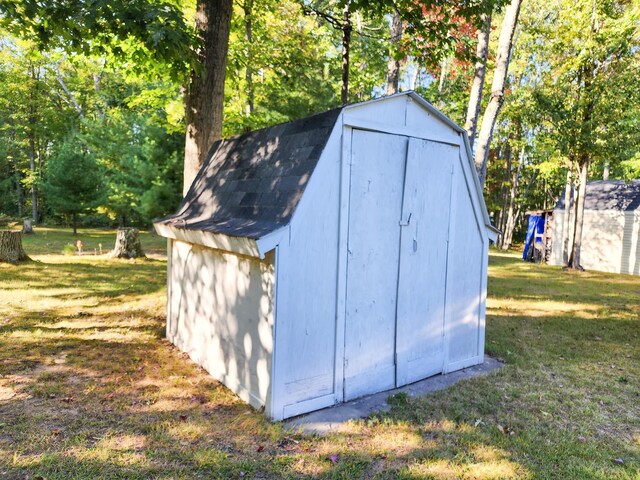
(400, 398)
(69, 249)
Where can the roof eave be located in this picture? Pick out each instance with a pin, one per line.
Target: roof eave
(218, 241)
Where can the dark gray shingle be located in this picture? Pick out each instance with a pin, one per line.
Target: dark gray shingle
(250, 185)
(610, 195)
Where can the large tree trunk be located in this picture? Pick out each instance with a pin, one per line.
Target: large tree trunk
(568, 195)
(574, 259)
(393, 69)
(490, 116)
(475, 98)
(204, 98)
(346, 46)
(11, 250)
(127, 244)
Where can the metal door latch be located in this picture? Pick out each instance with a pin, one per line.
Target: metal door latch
(404, 224)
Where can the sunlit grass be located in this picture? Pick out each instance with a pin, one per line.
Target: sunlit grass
(51, 241)
(90, 389)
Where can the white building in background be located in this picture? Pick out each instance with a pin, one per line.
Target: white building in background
(611, 229)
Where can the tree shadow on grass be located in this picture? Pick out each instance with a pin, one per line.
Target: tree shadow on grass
(87, 393)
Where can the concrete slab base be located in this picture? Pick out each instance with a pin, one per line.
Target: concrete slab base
(334, 418)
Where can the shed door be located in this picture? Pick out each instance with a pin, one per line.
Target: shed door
(423, 260)
(376, 190)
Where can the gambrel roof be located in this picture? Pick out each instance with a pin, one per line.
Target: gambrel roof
(250, 185)
(610, 195)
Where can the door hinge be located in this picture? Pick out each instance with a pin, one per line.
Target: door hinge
(395, 358)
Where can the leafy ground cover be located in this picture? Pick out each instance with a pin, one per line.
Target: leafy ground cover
(90, 389)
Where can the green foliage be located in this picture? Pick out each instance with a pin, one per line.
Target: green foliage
(73, 182)
(143, 34)
(69, 249)
(584, 78)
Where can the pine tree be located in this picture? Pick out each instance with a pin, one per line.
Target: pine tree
(73, 184)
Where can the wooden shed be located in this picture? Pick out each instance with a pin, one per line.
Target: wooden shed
(611, 228)
(328, 258)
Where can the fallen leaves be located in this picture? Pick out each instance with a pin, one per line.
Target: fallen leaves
(505, 430)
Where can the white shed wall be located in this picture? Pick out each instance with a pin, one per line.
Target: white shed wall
(305, 365)
(466, 276)
(220, 312)
(611, 241)
(311, 267)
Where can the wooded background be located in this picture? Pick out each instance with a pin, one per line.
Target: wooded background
(93, 94)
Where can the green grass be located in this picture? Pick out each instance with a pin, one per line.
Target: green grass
(90, 389)
(52, 240)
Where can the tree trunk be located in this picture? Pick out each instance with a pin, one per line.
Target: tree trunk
(475, 98)
(574, 260)
(568, 195)
(32, 166)
(511, 218)
(74, 223)
(504, 193)
(127, 244)
(11, 250)
(204, 98)
(248, 30)
(490, 116)
(393, 70)
(33, 120)
(346, 45)
(443, 76)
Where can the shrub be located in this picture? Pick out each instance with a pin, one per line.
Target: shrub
(69, 249)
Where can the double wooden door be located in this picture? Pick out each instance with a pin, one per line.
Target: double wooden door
(399, 206)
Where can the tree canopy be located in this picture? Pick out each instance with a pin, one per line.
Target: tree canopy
(115, 73)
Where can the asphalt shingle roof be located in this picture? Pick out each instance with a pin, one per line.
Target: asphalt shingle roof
(610, 195)
(250, 185)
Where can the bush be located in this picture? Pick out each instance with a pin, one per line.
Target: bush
(6, 221)
(69, 249)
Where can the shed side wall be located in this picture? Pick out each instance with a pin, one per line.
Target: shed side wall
(466, 274)
(220, 312)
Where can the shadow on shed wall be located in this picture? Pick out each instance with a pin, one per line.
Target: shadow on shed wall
(221, 315)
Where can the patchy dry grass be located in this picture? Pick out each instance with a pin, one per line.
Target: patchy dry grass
(89, 388)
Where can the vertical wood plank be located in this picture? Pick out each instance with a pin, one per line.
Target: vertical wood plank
(423, 260)
(377, 178)
(341, 281)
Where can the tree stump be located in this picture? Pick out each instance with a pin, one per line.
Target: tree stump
(11, 246)
(127, 244)
(27, 227)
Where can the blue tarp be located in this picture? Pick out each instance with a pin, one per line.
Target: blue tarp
(536, 223)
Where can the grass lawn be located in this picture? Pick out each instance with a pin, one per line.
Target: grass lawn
(51, 240)
(90, 389)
